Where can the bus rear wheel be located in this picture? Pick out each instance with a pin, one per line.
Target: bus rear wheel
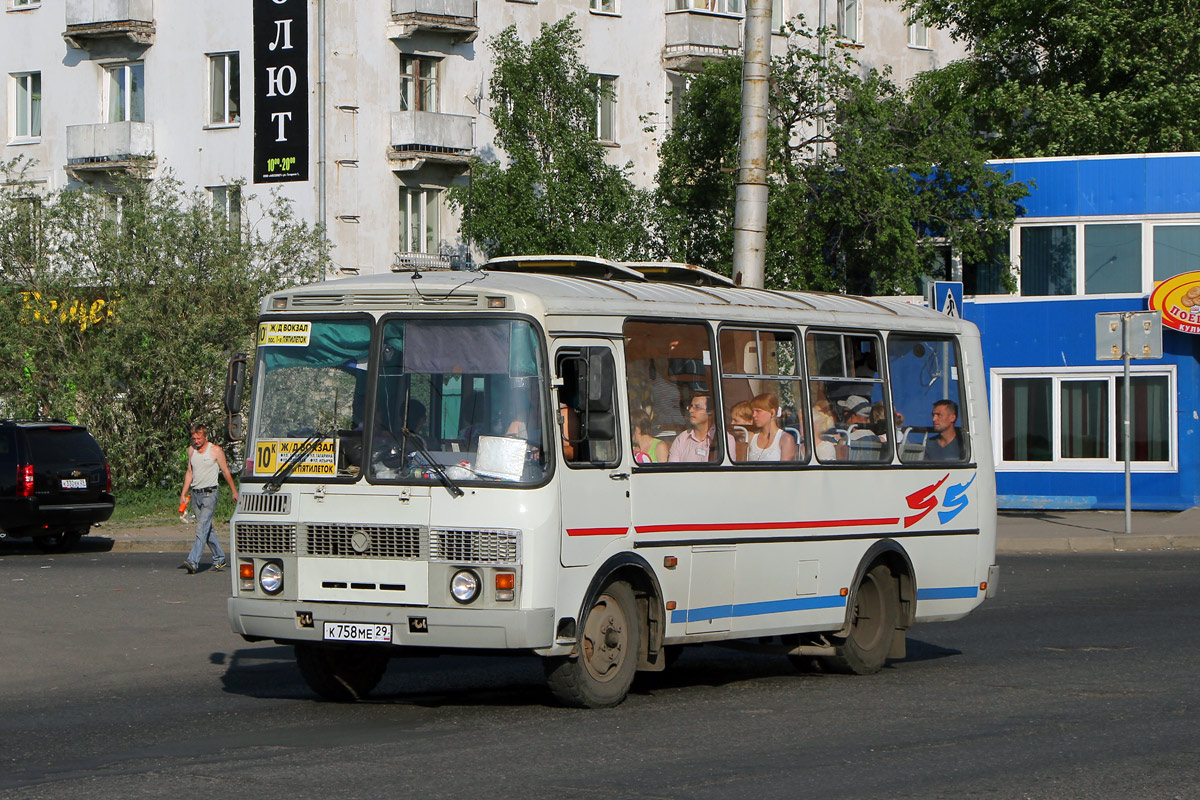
(601, 672)
(342, 675)
(872, 626)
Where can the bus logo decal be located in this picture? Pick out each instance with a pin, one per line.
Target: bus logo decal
(955, 501)
(924, 501)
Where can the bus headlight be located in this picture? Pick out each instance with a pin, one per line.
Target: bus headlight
(270, 577)
(464, 586)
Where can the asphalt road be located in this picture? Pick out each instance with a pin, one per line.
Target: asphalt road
(119, 678)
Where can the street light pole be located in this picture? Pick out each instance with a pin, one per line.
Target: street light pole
(750, 210)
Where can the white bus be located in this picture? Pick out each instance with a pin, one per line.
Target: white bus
(600, 463)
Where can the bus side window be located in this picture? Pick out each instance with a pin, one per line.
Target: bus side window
(587, 407)
(927, 391)
(760, 376)
(850, 411)
(669, 368)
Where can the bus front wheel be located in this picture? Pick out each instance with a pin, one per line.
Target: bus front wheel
(600, 673)
(872, 625)
(342, 675)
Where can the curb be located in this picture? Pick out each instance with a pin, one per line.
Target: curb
(1122, 543)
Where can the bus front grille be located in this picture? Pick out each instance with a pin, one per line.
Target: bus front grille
(475, 546)
(368, 541)
(264, 537)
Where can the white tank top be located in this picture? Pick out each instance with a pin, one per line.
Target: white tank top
(204, 467)
(772, 452)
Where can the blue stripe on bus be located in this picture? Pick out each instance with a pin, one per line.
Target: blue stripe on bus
(754, 609)
(804, 604)
(949, 593)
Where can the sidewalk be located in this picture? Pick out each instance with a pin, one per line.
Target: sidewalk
(1017, 532)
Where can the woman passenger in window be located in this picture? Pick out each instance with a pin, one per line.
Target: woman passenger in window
(770, 443)
(646, 448)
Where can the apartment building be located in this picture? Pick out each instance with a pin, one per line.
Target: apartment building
(361, 112)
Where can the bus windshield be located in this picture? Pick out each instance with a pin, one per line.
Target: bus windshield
(461, 397)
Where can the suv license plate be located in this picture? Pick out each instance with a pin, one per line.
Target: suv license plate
(74, 483)
(357, 632)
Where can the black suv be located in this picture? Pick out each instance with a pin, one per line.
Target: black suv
(54, 482)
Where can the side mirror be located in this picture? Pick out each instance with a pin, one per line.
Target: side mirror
(235, 387)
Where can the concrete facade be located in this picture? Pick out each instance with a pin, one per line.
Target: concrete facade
(383, 165)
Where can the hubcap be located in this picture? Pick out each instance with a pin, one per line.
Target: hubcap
(604, 639)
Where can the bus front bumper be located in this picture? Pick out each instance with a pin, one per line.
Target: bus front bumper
(412, 626)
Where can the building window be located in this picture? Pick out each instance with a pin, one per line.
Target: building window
(27, 115)
(418, 84)
(918, 32)
(224, 89)
(1112, 258)
(127, 92)
(848, 19)
(1176, 250)
(606, 108)
(606, 6)
(1074, 420)
(1047, 260)
(227, 205)
(419, 220)
(777, 16)
(15, 4)
(987, 276)
(720, 6)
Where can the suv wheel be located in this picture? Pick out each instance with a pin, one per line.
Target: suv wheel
(59, 542)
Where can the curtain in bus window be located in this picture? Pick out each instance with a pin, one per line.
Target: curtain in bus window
(1027, 424)
(330, 344)
(1048, 260)
(1084, 408)
(1149, 420)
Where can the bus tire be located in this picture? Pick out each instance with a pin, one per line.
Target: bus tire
(872, 625)
(601, 672)
(341, 675)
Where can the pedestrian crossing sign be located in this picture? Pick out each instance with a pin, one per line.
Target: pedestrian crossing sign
(946, 297)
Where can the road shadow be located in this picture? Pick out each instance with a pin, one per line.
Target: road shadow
(26, 547)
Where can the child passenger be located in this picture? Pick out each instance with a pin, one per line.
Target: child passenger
(741, 425)
(646, 448)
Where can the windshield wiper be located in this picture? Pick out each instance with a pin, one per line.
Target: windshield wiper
(288, 467)
(437, 468)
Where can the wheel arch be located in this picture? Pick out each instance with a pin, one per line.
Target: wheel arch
(634, 570)
(891, 553)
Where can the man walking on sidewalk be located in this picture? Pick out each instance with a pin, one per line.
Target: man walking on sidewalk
(205, 459)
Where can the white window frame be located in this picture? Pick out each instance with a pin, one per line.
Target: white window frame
(1058, 375)
(220, 117)
(420, 194)
(227, 200)
(604, 7)
(32, 102)
(918, 33)
(732, 7)
(21, 5)
(111, 85)
(849, 12)
(606, 102)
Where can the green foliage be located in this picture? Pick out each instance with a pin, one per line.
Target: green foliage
(1072, 77)
(124, 321)
(861, 175)
(550, 191)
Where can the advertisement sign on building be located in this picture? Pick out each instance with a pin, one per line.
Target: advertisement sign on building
(1178, 299)
(280, 91)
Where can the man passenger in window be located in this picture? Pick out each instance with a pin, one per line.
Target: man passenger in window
(944, 444)
(697, 442)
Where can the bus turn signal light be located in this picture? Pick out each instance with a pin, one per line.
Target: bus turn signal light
(246, 571)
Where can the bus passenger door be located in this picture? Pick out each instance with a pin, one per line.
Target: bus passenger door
(592, 478)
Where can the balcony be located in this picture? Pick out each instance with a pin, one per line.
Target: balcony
(110, 147)
(456, 18)
(694, 37)
(420, 137)
(90, 22)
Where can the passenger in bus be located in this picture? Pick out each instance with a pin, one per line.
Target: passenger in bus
(825, 430)
(697, 443)
(646, 448)
(665, 402)
(862, 444)
(770, 442)
(741, 426)
(944, 444)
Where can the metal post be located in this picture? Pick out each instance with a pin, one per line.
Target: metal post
(750, 210)
(1126, 321)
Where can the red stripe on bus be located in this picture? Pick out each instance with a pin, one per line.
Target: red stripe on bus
(597, 531)
(763, 526)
